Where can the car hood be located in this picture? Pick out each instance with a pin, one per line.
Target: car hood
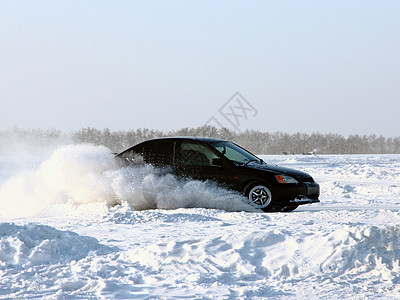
(281, 170)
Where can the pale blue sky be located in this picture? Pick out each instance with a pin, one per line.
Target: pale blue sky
(305, 66)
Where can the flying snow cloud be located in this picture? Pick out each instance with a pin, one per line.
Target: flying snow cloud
(82, 174)
(73, 174)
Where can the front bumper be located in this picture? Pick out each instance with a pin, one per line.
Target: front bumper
(310, 196)
(297, 194)
(304, 200)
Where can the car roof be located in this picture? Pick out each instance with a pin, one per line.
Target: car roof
(176, 138)
(188, 138)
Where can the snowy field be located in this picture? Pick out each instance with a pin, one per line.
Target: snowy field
(75, 226)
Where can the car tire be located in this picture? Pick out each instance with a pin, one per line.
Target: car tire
(259, 195)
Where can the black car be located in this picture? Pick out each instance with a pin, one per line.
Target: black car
(269, 187)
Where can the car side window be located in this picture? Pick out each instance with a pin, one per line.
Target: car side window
(234, 155)
(158, 153)
(193, 154)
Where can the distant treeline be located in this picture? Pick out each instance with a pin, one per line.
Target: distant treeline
(255, 141)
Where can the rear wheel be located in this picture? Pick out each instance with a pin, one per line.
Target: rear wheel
(259, 195)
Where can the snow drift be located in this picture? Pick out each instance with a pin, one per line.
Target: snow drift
(259, 260)
(371, 251)
(33, 244)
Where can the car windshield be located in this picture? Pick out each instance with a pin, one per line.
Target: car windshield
(235, 153)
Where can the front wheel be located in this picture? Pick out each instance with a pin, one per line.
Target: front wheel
(260, 195)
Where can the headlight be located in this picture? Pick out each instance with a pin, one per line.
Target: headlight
(285, 179)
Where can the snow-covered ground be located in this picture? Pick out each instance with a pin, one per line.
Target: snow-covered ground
(69, 229)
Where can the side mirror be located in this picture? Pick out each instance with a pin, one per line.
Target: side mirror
(217, 162)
